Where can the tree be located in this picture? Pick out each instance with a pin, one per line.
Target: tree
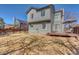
(70, 20)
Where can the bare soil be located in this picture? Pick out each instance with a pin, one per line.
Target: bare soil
(22, 43)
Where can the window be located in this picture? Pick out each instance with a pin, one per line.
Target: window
(31, 25)
(56, 27)
(43, 25)
(57, 16)
(32, 16)
(43, 13)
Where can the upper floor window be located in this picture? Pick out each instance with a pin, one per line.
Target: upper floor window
(43, 13)
(32, 16)
(56, 15)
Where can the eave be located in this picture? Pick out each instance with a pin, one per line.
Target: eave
(40, 21)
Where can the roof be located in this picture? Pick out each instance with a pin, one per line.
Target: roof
(38, 9)
(1, 20)
(60, 10)
(69, 21)
(39, 21)
(8, 26)
(75, 25)
(22, 21)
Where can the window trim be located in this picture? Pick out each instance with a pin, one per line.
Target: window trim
(32, 16)
(42, 12)
(31, 25)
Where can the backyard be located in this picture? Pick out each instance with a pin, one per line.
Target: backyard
(22, 43)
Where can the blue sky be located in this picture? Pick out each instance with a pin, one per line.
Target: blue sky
(8, 11)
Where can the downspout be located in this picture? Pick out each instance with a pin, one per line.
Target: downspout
(52, 14)
(62, 16)
(14, 22)
(63, 20)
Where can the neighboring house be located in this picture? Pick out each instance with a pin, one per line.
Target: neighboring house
(2, 24)
(69, 24)
(75, 29)
(20, 24)
(8, 26)
(45, 20)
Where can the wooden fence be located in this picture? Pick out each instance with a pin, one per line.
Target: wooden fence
(10, 30)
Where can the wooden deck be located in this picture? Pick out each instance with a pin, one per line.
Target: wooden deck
(62, 34)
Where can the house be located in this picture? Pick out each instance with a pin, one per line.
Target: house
(2, 24)
(8, 26)
(75, 29)
(69, 24)
(20, 24)
(45, 19)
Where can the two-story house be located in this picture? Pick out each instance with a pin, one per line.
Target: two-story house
(45, 19)
(20, 24)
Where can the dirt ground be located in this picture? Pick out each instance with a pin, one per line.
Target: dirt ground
(22, 43)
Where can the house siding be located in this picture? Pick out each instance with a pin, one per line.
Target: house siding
(37, 15)
(37, 28)
(50, 26)
(33, 11)
(2, 24)
(20, 24)
(16, 24)
(58, 20)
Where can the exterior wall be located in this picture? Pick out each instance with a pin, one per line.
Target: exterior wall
(37, 28)
(58, 25)
(20, 25)
(8, 26)
(46, 17)
(23, 26)
(2, 24)
(33, 11)
(37, 15)
(16, 24)
(75, 30)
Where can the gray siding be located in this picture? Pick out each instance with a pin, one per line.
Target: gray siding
(57, 26)
(2, 26)
(16, 24)
(58, 22)
(37, 15)
(38, 28)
